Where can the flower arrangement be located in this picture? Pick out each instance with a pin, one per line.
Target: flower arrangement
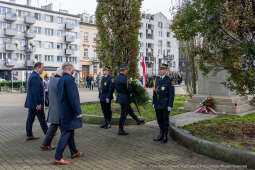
(207, 106)
(32, 43)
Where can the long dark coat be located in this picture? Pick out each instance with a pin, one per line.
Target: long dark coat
(69, 103)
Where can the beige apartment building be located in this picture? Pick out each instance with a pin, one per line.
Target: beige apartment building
(89, 62)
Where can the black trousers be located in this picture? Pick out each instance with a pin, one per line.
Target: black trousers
(50, 134)
(163, 119)
(107, 111)
(125, 110)
(66, 138)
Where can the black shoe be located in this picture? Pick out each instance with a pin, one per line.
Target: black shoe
(122, 133)
(165, 138)
(107, 126)
(103, 126)
(139, 121)
(159, 137)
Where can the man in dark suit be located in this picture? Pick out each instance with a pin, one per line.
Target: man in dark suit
(35, 101)
(124, 93)
(70, 114)
(163, 99)
(106, 90)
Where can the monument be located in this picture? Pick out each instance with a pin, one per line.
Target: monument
(225, 100)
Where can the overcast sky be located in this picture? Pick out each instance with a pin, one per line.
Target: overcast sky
(79, 6)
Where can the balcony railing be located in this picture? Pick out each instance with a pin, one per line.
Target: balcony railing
(10, 32)
(30, 49)
(29, 20)
(10, 63)
(10, 47)
(11, 17)
(69, 26)
(69, 38)
(29, 35)
(69, 52)
(29, 63)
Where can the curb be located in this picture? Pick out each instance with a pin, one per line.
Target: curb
(213, 150)
(93, 119)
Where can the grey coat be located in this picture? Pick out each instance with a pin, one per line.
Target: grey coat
(53, 114)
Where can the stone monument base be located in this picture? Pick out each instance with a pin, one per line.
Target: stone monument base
(223, 104)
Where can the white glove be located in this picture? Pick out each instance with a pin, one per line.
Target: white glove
(107, 100)
(153, 106)
(169, 109)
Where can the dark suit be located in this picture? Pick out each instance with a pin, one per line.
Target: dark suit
(34, 98)
(69, 102)
(106, 92)
(124, 92)
(163, 97)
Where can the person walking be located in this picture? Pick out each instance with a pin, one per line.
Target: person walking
(124, 93)
(53, 113)
(46, 90)
(163, 99)
(106, 90)
(70, 114)
(35, 101)
(92, 83)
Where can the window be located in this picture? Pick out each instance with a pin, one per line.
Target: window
(49, 31)
(141, 35)
(5, 25)
(37, 30)
(95, 54)
(49, 58)
(86, 52)
(22, 57)
(38, 44)
(20, 28)
(60, 59)
(38, 57)
(160, 34)
(4, 10)
(95, 69)
(59, 20)
(38, 16)
(168, 34)
(168, 44)
(95, 37)
(59, 46)
(160, 24)
(60, 33)
(86, 36)
(49, 45)
(48, 18)
(160, 44)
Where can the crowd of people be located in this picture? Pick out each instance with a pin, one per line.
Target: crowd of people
(64, 109)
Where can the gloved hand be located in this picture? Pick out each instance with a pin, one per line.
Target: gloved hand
(107, 100)
(169, 109)
(153, 106)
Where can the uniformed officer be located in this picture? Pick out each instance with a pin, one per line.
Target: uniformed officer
(124, 93)
(106, 95)
(163, 98)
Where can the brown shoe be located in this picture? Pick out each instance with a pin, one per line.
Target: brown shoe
(32, 138)
(78, 154)
(47, 148)
(62, 162)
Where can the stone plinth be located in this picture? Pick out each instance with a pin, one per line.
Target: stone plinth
(225, 100)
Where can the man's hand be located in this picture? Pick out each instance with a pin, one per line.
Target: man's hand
(39, 107)
(153, 106)
(169, 109)
(79, 116)
(107, 100)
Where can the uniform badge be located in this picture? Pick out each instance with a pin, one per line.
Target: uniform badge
(105, 84)
(163, 88)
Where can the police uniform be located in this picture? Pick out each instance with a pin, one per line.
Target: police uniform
(124, 92)
(163, 98)
(106, 95)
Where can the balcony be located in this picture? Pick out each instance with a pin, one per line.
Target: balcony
(10, 17)
(69, 39)
(10, 32)
(29, 63)
(29, 35)
(69, 52)
(10, 63)
(30, 50)
(69, 26)
(29, 20)
(10, 47)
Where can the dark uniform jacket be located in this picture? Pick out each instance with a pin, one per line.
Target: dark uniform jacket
(35, 91)
(69, 103)
(106, 88)
(163, 93)
(123, 88)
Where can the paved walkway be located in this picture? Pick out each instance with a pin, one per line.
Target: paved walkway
(103, 148)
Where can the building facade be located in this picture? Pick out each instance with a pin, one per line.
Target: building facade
(89, 62)
(157, 44)
(29, 34)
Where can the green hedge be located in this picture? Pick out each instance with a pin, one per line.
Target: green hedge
(16, 84)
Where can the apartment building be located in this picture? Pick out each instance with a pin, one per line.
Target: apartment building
(29, 34)
(157, 44)
(89, 62)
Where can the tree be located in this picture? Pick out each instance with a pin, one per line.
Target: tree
(226, 29)
(118, 24)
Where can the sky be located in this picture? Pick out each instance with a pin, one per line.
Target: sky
(89, 6)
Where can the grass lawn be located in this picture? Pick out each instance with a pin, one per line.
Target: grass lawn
(238, 132)
(147, 111)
